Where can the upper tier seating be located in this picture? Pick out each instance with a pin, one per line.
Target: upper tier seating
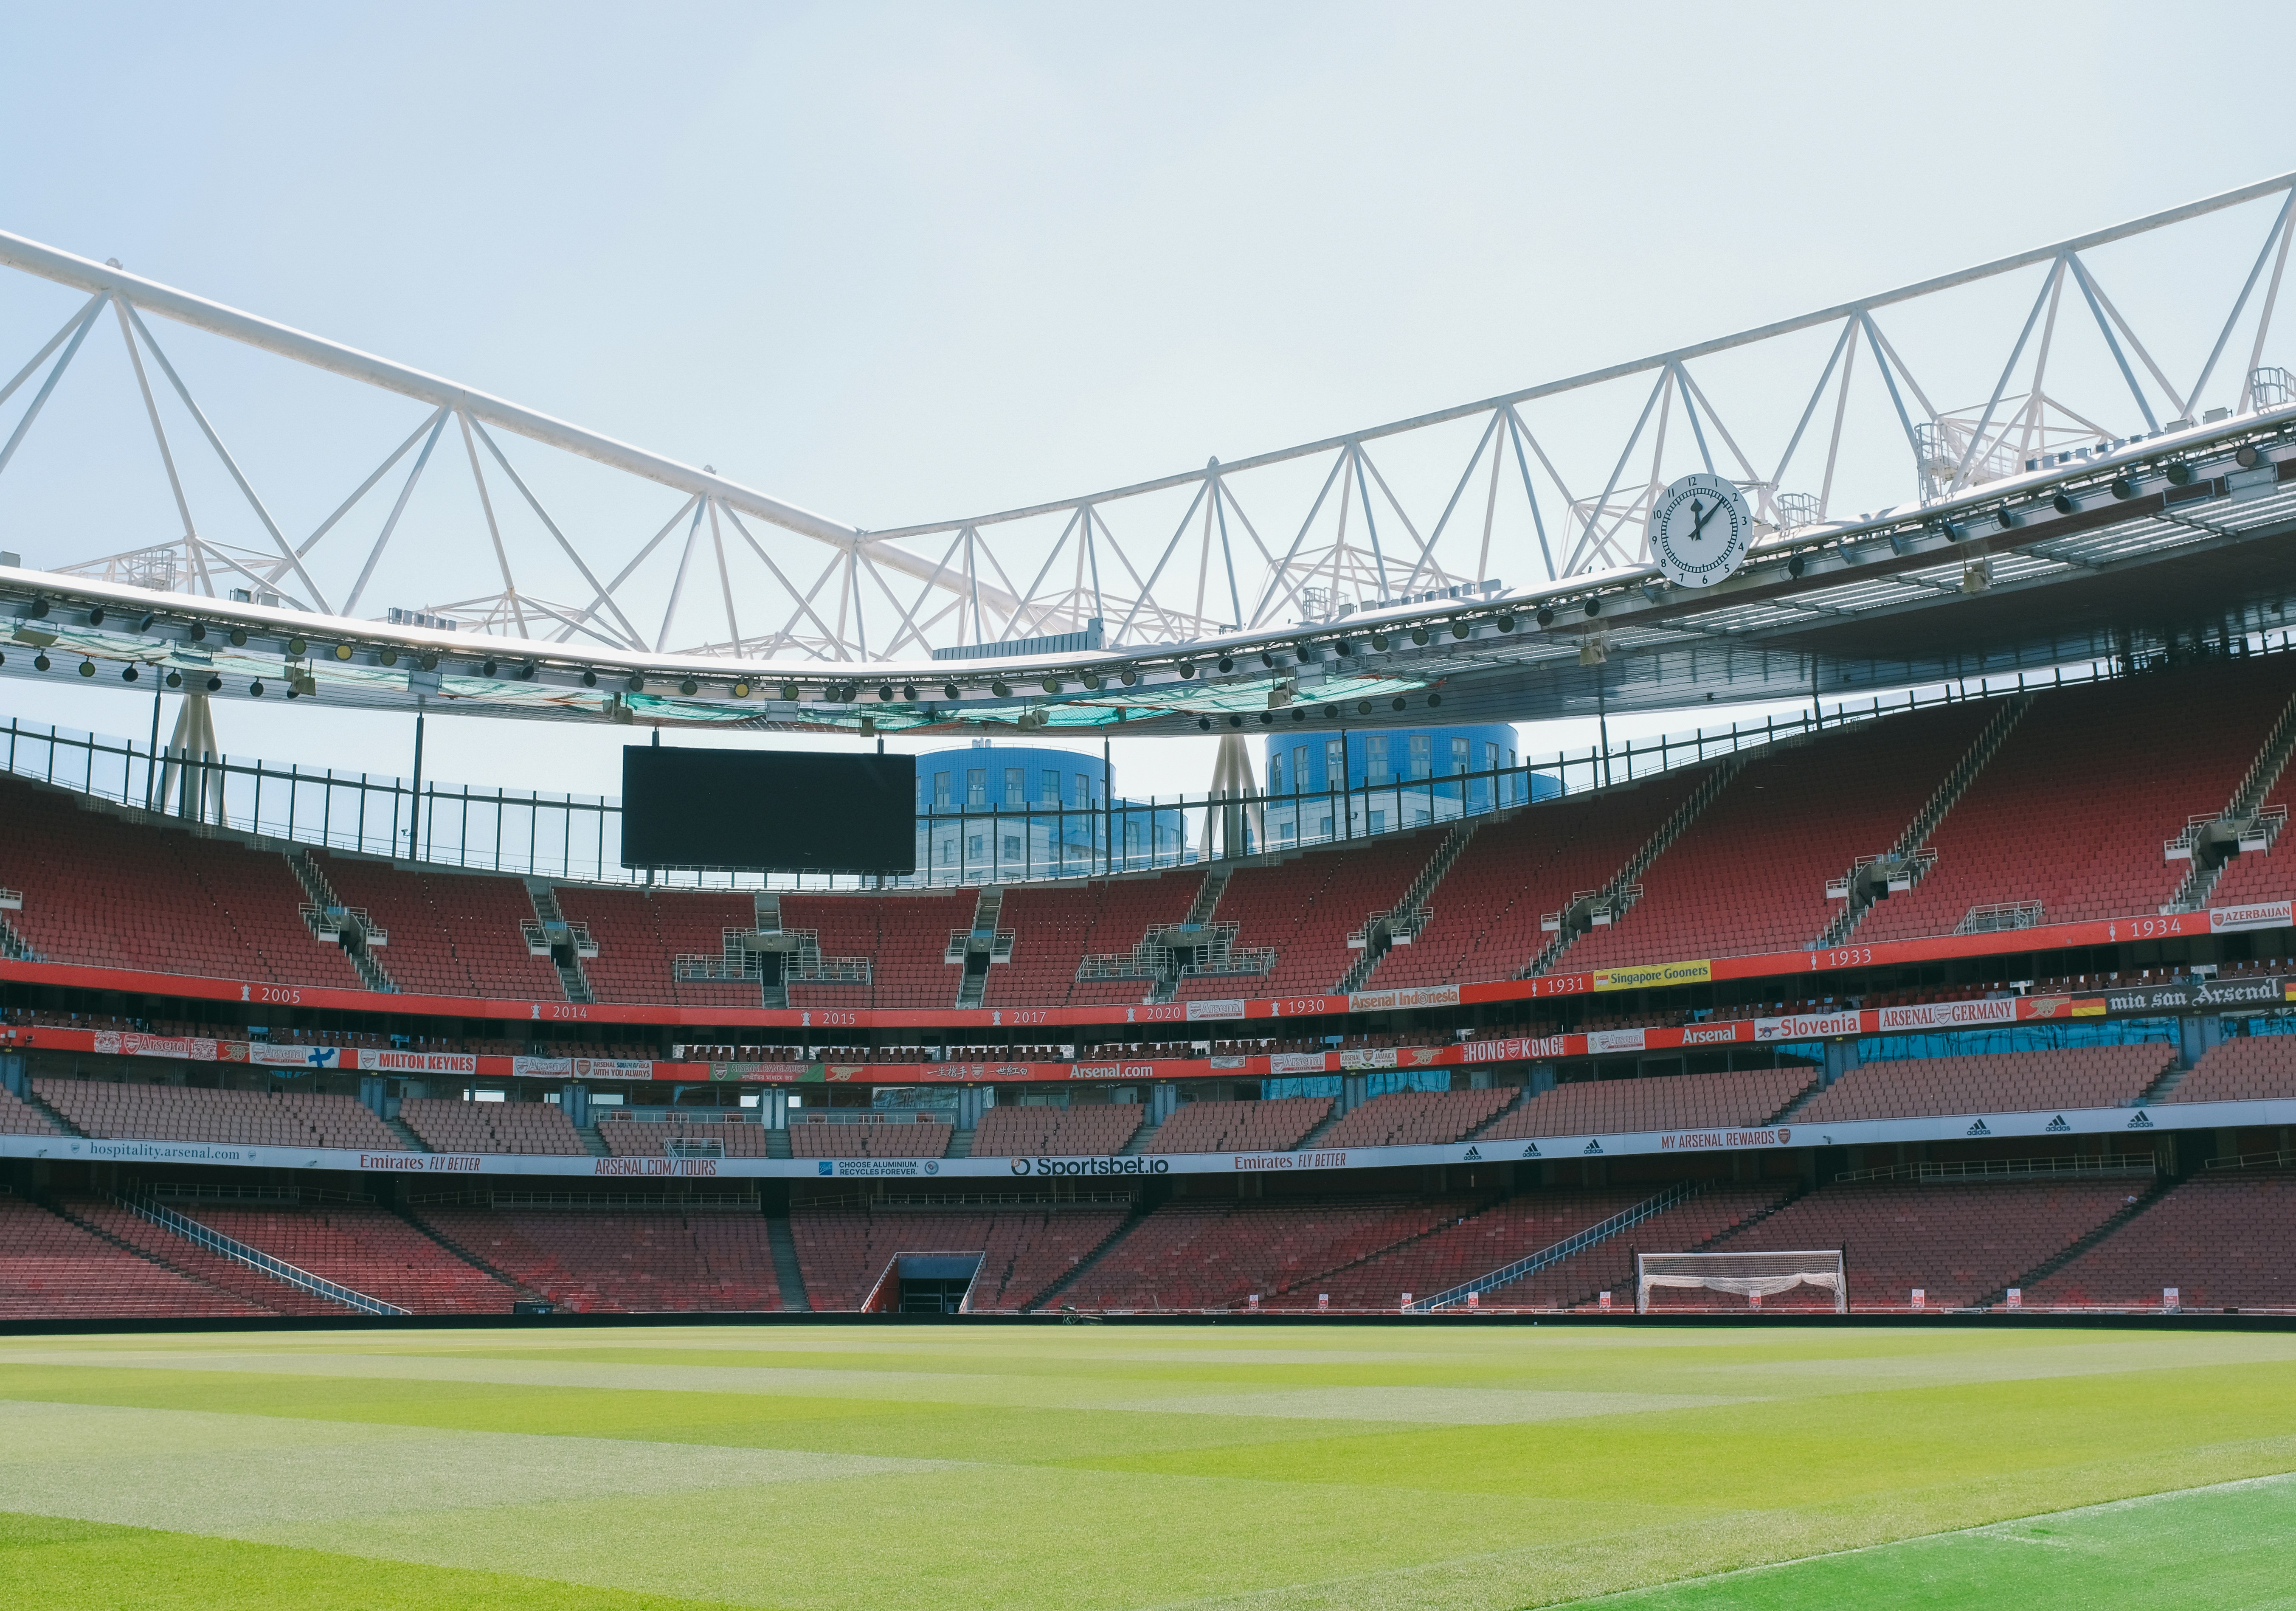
(105, 892)
(20, 1117)
(2072, 809)
(1417, 1118)
(1486, 909)
(635, 1260)
(1306, 909)
(450, 934)
(369, 1250)
(1275, 1127)
(1193, 1255)
(1099, 1131)
(267, 1293)
(628, 1137)
(2005, 1081)
(640, 932)
(248, 1118)
(1128, 909)
(1749, 874)
(844, 1252)
(2221, 1240)
(1674, 1101)
(2246, 1068)
(1579, 1280)
(1475, 1244)
(447, 1125)
(1051, 930)
(1957, 1242)
(51, 1269)
(810, 1136)
(906, 937)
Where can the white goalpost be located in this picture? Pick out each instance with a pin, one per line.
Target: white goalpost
(1753, 1275)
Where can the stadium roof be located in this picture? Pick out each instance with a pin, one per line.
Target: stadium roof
(2119, 545)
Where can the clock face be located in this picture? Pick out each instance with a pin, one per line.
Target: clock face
(1700, 530)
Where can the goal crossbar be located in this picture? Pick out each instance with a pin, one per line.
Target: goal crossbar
(1748, 1274)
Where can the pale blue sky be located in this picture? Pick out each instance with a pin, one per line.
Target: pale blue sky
(896, 263)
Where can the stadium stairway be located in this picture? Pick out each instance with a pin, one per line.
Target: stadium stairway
(526, 1293)
(368, 966)
(2243, 811)
(2049, 1266)
(1904, 850)
(571, 979)
(1325, 1275)
(789, 1275)
(1400, 925)
(127, 1230)
(1050, 1299)
(1618, 892)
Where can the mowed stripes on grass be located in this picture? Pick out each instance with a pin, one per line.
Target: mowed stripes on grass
(1093, 1466)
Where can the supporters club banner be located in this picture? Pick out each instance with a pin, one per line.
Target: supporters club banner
(613, 1068)
(2267, 914)
(417, 1062)
(1947, 1015)
(125, 1044)
(268, 1056)
(1404, 1001)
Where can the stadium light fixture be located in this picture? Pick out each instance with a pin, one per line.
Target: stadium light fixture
(885, 693)
(1226, 664)
(388, 656)
(589, 677)
(1594, 606)
(1052, 685)
(40, 662)
(1379, 642)
(255, 689)
(1506, 623)
(2180, 474)
(343, 651)
(689, 688)
(949, 690)
(238, 637)
(1434, 699)
(296, 648)
(1002, 690)
(1419, 636)
(39, 609)
(1461, 629)
(2123, 488)
(87, 668)
(2248, 456)
(198, 635)
(95, 615)
(1128, 677)
(741, 691)
(636, 684)
(486, 668)
(174, 679)
(1545, 616)
(215, 683)
(146, 623)
(2065, 504)
(129, 675)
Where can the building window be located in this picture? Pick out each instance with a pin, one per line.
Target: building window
(941, 790)
(1289, 831)
(1378, 821)
(1422, 754)
(1327, 825)
(973, 846)
(1275, 774)
(976, 786)
(1335, 763)
(947, 851)
(1375, 757)
(1012, 846)
(1083, 797)
(1458, 754)
(1301, 775)
(1015, 785)
(1048, 787)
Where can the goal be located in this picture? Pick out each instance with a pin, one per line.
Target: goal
(1754, 1275)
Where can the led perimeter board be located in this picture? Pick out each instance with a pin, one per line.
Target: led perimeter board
(770, 812)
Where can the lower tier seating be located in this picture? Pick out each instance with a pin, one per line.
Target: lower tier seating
(637, 1260)
(369, 1250)
(1475, 1244)
(1197, 1255)
(1272, 1126)
(246, 1118)
(1959, 1242)
(844, 1252)
(1609, 1265)
(1096, 1132)
(2222, 1241)
(51, 1269)
(267, 1293)
(2005, 1081)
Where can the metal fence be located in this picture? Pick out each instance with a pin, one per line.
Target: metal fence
(577, 837)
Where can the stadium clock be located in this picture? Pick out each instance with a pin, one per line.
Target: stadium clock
(1700, 530)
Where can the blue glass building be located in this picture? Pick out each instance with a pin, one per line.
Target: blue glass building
(1395, 777)
(994, 811)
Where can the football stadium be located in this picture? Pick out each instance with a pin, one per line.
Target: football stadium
(1698, 1046)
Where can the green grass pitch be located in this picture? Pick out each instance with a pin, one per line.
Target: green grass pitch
(1471, 1465)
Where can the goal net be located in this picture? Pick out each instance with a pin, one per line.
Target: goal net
(1752, 1275)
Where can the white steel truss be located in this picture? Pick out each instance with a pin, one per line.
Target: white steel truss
(1509, 494)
